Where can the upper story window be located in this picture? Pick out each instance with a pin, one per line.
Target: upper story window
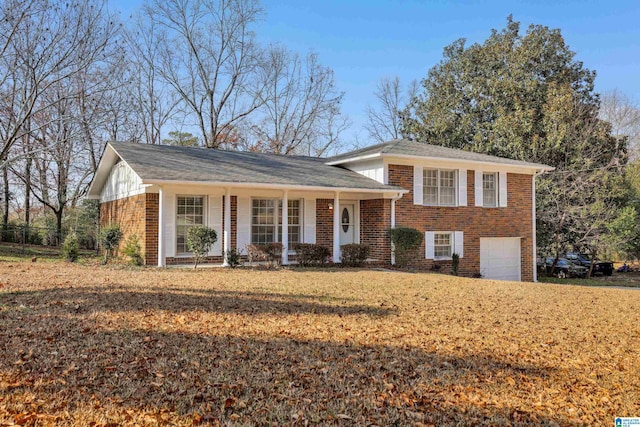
(439, 187)
(490, 189)
(190, 212)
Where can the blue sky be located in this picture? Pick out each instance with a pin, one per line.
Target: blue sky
(366, 40)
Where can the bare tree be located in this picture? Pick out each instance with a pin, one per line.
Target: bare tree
(300, 106)
(209, 57)
(155, 102)
(383, 120)
(51, 42)
(624, 115)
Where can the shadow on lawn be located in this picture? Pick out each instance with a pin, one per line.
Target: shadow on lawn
(120, 298)
(260, 381)
(61, 358)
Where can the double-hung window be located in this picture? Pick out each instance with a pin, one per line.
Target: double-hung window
(190, 212)
(490, 189)
(439, 187)
(442, 245)
(266, 221)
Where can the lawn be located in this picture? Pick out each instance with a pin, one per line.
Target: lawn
(106, 346)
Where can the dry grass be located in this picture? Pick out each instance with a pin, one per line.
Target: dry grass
(85, 345)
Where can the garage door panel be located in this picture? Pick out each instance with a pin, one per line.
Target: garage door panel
(500, 258)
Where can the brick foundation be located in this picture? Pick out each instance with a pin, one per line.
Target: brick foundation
(515, 220)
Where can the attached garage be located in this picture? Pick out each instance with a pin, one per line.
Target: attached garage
(500, 258)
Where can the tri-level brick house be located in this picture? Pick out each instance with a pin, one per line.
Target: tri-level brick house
(480, 207)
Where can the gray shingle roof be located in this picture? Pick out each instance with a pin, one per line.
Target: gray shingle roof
(171, 163)
(406, 147)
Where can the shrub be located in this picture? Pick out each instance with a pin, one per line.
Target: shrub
(405, 242)
(70, 247)
(272, 252)
(354, 254)
(133, 250)
(455, 262)
(109, 240)
(199, 241)
(233, 257)
(311, 254)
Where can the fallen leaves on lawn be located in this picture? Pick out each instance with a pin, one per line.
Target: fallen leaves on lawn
(91, 346)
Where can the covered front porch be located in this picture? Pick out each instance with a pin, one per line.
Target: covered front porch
(245, 216)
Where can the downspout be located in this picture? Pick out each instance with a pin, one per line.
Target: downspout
(393, 224)
(533, 213)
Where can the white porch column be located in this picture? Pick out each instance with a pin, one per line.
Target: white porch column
(336, 227)
(161, 221)
(393, 225)
(285, 227)
(226, 233)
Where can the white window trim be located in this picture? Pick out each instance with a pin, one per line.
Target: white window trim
(501, 188)
(456, 186)
(496, 190)
(456, 241)
(205, 213)
(451, 245)
(278, 216)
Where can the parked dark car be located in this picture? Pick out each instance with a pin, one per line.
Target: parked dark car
(565, 268)
(600, 267)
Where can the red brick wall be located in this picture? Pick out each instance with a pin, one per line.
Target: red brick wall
(324, 223)
(152, 210)
(375, 221)
(135, 215)
(511, 221)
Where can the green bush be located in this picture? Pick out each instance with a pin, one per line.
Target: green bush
(310, 254)
(70, 247)
(233, 257)
(455, 262)
(199, 241)
(405, 242)
(109, 240)
(133, 250)
(354, 254)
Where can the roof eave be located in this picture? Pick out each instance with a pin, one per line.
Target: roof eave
(261, 185)
(531, 166)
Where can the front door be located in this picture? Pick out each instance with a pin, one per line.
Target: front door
(347, 224)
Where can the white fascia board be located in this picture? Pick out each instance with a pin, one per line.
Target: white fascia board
(459, 163)
(354, 159)
(387, 193)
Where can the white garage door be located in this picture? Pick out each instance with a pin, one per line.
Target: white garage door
(500, 258)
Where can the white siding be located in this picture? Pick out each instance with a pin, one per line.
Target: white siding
(214, 220)
(244, 222)
(122, 182)
(309, 220)
(418, 182)
(169, 207)
(373, 169)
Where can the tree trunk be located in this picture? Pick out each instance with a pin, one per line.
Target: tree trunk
(593, 261)
(59, 226)
(7, 194)
(27, 196)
